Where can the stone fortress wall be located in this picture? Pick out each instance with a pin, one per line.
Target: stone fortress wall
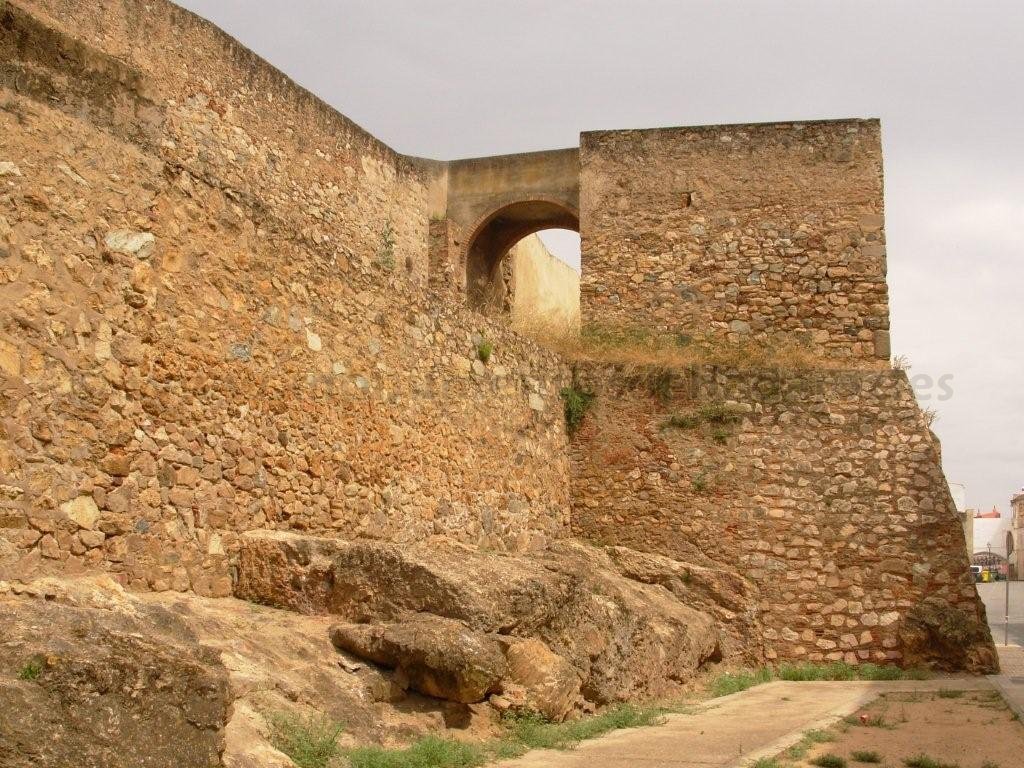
(223, 323)
(825, 488)
(227, 308)
(772, 231)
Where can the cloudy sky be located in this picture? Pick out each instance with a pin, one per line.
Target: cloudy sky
(462, 78)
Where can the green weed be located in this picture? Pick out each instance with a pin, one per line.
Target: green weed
(428, 752)
(386, 247)
(868, 721)
(310, 742)
(681, 421)
(523, 731)
(32, 669)
(924, 761)
(865, 756)
(946, 693)
(829, 760)
(876, 672)
(734, 682)
(720, 435)
(799, 750)
(484, 350)
(577, 402)
(532, 731)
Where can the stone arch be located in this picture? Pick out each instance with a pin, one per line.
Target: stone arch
(494, 233)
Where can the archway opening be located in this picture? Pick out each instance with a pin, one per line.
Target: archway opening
(490, 277)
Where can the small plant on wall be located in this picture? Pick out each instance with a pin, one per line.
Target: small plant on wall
(577, 402)
(386, 247)
(484, 350)
(718, 420)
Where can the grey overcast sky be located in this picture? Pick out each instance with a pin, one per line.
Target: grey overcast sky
(461, 78)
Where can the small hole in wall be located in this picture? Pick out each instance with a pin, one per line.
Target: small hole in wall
(687, 199)
(408, 264)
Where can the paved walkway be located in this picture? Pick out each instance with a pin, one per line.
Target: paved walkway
(994, 596)
(733, 730)
(1010, 680)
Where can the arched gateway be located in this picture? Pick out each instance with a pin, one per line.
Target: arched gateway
(494, 202)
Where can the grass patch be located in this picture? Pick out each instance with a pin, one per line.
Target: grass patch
(947, 693)
(577, 402)
(865, 756)
(836, 670)
(829, 760)
(924, 761)
(523, 731)
(799, 750)
(877, 672)
(868, 721)
(386, 247)
(484, 350)
(428, 752)
(532, 731)
(718, 415)
(734, 682)
(681, 421)
(628, 345)
(310, 742)
(766, 762)
(840, 670)
(32, 669)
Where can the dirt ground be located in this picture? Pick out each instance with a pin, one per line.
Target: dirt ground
(969, 729)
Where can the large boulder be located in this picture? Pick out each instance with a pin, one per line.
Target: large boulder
(732, 599)
(622, 638)
(539, 679)
(439, 657)
(937, 634)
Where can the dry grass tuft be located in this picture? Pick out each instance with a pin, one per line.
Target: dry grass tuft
(633, 347)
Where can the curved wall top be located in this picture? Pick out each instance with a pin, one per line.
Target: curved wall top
(479, 187)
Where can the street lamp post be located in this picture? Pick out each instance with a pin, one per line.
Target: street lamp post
(1006, 604)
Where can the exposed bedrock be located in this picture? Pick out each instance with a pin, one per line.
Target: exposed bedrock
(96, 687)
(550, 630)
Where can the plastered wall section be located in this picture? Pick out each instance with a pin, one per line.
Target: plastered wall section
(546, 290)
(772, 232)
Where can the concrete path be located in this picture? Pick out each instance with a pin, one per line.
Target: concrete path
(994, 596)
(1010, 680)
(733, 730)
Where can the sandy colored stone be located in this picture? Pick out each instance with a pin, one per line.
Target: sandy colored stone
(125, 241)
(622, 638)
(82, 510)
(439, 657)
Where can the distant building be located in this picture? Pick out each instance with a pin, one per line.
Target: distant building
(959, 493)
(990, 532)
(1015, 536)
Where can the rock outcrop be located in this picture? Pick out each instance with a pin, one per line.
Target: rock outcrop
(94, 676)
(101, 688)
(567, 618)
(939, 635)
(439, 657)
